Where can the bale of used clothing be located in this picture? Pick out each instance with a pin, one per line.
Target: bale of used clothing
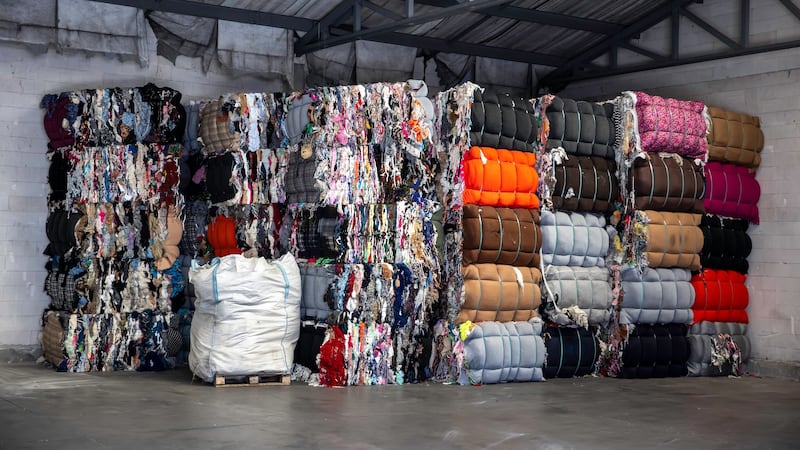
(667, 182)
(656, 351)
(503, 121)
(670, 125)
(500, 177)
(309, 342)
(734, 138)
(571, 352)
(574, 239)
(585, 183)
(496, 352)
(581, 128)
(717, 348)
(588, 288)
(494, 292)
(657, 296)
(316, 280)
(726, 244)
(731, 191)
(673, 240)
(720, 296)
(247, 316)
(501, 235)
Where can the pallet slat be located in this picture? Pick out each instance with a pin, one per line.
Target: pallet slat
(251, 380)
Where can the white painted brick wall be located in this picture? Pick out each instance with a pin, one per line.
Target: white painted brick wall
(24, 78)
(768, 86)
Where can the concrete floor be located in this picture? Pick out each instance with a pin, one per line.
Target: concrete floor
(42, 409)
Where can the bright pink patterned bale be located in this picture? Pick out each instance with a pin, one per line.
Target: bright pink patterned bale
(671, 126)
(731, 191)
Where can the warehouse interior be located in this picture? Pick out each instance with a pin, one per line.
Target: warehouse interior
(336, 152)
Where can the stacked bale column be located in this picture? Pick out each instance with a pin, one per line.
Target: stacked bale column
(661, 153)
(579, 189)
(718, 338)
(359, 194)
(492, 239)
(114, 228)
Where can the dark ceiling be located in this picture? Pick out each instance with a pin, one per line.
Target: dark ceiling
(566, 40)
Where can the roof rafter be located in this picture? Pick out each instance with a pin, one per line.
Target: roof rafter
(540, 17)
(207, 10)
(459, 8)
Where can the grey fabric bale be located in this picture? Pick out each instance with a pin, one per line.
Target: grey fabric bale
(574, 239)
(315, 280)
(657, 296)
(585, 287)
(496, 352)
(701, 337)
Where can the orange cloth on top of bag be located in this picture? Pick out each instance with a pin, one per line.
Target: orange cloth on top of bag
(221, 235)
(499, 177)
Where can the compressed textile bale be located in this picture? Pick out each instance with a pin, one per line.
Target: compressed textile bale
(667, 183)
(500, 293)
(501, 235)
(299, 182)
(673, 240)
(657, 296)
(720, 296)
(734, 138)
(581, 128)
(726, 244)
(731, 191)
(53, 339)
(215, 129)
(60, 230)
(585, 287)
(656, 351)
(708, 338)
(499, 177)
(571, 352)
(574, 239)
(586, 183)
(219, 172)
(316, 280)
(247, 316)
(672, 126)
(503, 121)
(497, 352)
(297, 117)
(308, 344)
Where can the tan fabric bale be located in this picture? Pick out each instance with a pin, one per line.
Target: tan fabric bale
(674, 239)
(734, 138)
(500, 293)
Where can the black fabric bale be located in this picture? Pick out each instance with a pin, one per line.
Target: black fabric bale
(308, 344)
(503, 121)
(581, 128)
(60, 230)
(219, 170)
(656, 351)
(571, 352)
(726, 244)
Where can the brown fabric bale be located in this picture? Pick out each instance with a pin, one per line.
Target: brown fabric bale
(501, 235)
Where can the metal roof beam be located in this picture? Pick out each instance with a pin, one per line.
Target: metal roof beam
(381, 10)
(642, 51)
(541, 17)
(460, 8)
(650, 19)
(207, 10)
(664, 63)
(791, 7)
(319, 29)
(709, 28)
(463, 48)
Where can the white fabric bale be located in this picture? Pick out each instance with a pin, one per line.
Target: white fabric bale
(247, 316)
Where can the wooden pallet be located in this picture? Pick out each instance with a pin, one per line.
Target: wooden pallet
(251, 380)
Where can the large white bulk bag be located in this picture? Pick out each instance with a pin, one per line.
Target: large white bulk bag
(247, 316)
